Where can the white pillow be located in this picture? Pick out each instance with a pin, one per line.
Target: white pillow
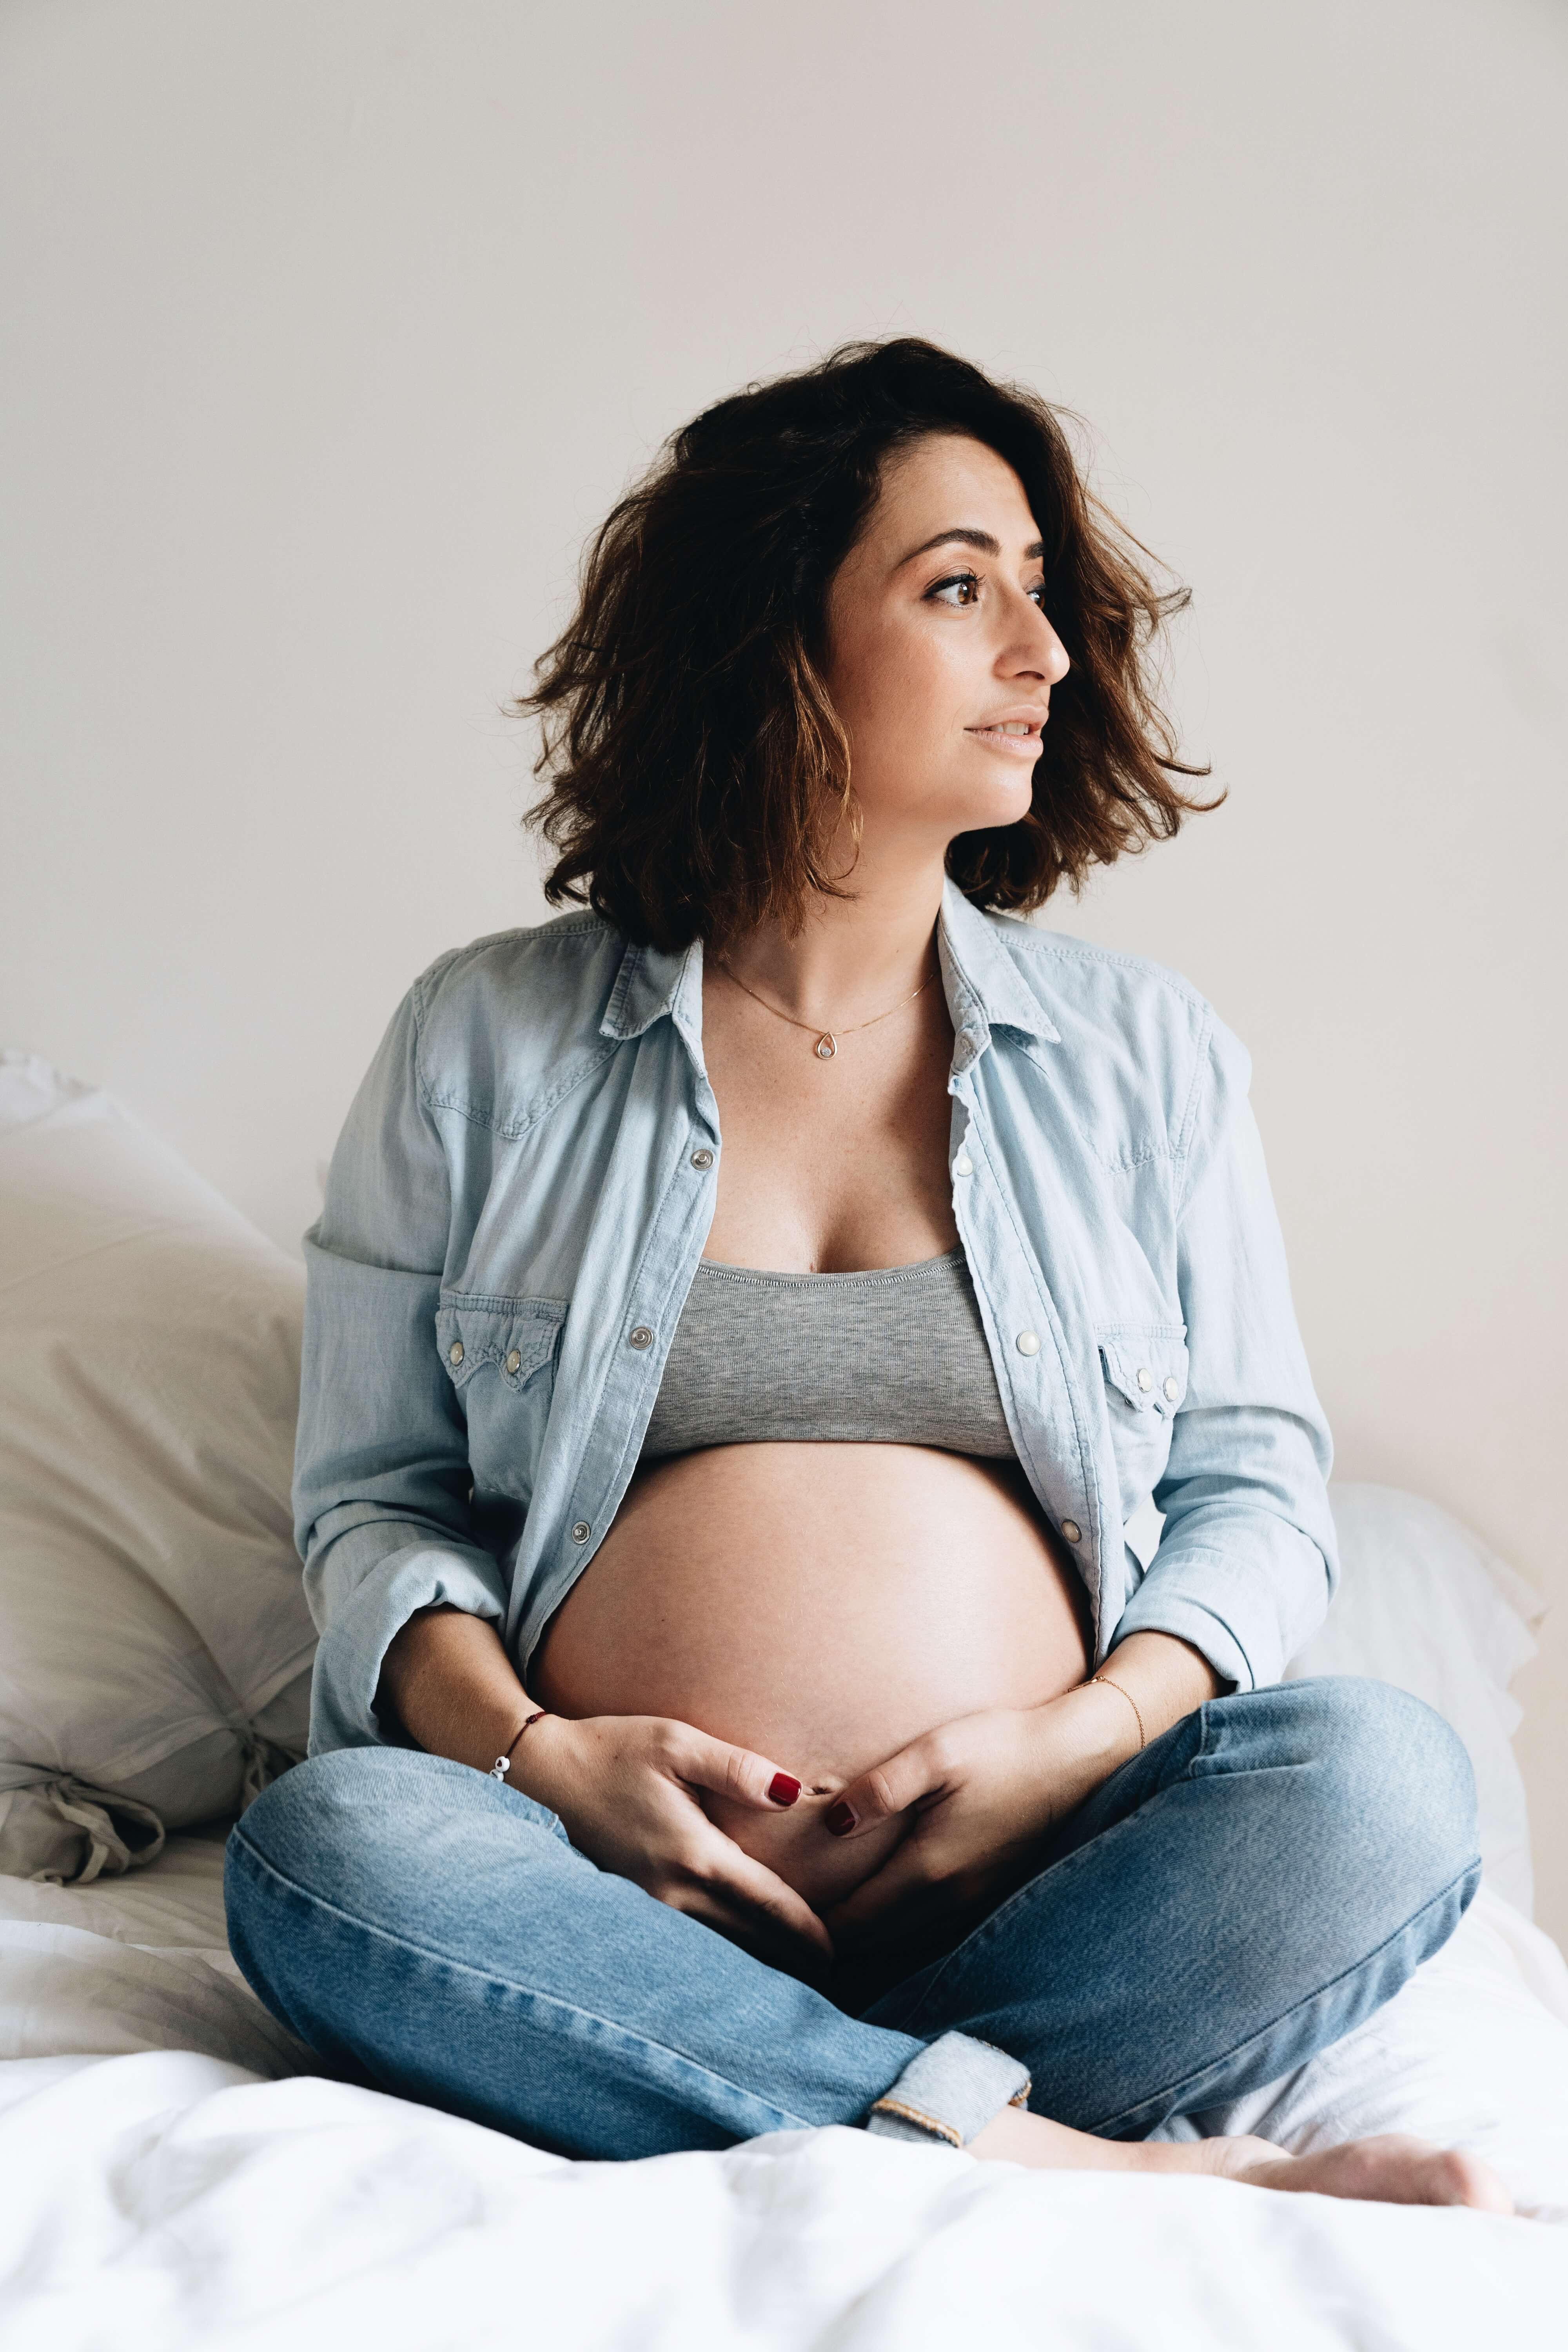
(155, 1650)
(1426, 1605)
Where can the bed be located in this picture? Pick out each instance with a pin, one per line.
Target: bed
(180, 2172)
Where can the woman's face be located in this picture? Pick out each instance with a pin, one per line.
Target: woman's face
(941, 660)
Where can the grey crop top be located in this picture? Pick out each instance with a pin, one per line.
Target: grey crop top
(895, 1356)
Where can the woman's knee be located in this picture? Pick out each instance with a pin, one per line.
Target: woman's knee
(351, 1797)
(1388, 1782)
(360, 1827)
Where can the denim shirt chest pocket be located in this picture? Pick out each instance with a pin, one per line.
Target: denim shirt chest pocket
(1145, 1368)
(500, 1356)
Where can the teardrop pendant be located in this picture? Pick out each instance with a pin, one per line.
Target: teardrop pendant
(826, 1046)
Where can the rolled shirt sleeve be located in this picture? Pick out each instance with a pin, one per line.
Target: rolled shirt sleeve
(1246, 1561)
(382, 1481)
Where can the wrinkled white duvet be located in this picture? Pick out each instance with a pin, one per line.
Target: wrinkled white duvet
(172, 2180)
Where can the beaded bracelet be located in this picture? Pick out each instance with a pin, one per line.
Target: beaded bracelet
(502, 1764)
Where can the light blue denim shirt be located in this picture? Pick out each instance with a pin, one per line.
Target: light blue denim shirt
(522, 1193)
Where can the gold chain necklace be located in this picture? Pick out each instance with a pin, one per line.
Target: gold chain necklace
(827, 1040)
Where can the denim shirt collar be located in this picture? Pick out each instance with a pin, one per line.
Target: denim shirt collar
(651, 983)
(984, 987)
(986, 990)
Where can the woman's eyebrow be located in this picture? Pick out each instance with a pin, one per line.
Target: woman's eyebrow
(980, 538)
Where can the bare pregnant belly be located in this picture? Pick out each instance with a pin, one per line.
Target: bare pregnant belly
(823, 1604)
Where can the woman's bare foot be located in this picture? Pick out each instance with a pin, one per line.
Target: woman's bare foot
(1393, 2169)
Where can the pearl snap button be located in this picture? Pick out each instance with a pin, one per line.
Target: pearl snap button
(963, 1165)
(1172, 1390)
(455, 1353)
(1071, 1529)
(642, 1337)
(514, 1362)
(703, 1159)
(1029, 1343)
(581, 1530)
(1145, 1377)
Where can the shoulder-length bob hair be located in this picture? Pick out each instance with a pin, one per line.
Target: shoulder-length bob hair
(697, 770)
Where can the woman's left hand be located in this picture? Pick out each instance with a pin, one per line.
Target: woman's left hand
(979, 1793)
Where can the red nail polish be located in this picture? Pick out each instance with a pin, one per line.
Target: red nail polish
(784, 1788)
(840, 1818)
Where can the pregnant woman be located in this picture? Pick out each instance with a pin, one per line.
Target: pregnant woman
(755, 1327)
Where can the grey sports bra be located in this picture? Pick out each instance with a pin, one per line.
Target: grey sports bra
(895, 1356)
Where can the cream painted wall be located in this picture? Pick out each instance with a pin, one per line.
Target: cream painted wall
(340, 323)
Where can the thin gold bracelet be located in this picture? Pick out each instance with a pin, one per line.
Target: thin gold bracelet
(1142, 1739)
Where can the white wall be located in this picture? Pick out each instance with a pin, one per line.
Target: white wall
(340, 323)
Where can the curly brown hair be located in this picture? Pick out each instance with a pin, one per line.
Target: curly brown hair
(698, 773)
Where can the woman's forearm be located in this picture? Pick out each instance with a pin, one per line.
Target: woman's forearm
(1163, 1676)
(447, 1680)
(1091, 1731)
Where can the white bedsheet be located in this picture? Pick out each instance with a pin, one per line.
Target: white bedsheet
(173, 2180)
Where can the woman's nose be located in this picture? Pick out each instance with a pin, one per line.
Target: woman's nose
(1037, 650)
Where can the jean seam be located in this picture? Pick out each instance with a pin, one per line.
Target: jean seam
(889, 2105)
(1109, 2122)
(787, 2121)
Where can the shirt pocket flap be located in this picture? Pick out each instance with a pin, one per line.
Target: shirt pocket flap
(515, 1336)
(1147, 1367)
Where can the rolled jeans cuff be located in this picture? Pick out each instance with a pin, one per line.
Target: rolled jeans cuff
(951, 2090)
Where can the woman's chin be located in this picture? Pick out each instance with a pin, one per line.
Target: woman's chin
(1001, 794)
(984, 791)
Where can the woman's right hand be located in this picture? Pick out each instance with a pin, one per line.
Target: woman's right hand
(628, 1790)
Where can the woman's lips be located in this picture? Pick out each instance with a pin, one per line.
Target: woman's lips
(1025, 746)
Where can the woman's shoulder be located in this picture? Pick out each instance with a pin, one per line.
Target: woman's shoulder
(1118, 1013)
(1090, 982)
(494, 1016)
(537, 953)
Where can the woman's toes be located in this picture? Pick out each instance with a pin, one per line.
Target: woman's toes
(1393, 2169)
(1457, 2177)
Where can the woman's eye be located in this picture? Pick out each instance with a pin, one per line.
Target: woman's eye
(940, 593)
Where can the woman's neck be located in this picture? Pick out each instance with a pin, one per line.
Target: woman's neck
(854, 955)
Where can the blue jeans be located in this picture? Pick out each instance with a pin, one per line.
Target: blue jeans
(1234, 1898)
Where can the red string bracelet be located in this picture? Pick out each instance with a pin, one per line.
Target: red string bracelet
(502, 1764)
